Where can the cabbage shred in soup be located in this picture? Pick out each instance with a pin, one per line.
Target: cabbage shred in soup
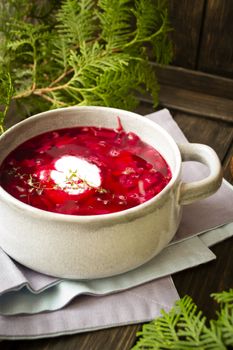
(84, 171)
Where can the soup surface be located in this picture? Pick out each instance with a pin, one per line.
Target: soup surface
(84, 171)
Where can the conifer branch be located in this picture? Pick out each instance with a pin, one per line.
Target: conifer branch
(61, 77)
(185, 328)
(82, 53)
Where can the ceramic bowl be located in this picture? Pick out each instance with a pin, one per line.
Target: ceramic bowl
(87, 247)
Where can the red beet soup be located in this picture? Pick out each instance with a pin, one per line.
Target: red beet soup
(84, 171)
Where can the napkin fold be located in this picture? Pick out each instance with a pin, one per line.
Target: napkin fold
(87, 313)
(25, 291)
(59, 293)
(218, 235)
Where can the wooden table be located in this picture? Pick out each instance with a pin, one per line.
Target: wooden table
(204, 112)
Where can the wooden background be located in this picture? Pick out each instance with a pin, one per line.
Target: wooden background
(203, 35)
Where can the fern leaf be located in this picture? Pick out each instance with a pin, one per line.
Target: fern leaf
(184, 327)
(212, 337)
(6, 89)
(146, 77)
(225, 297)
(191, 322)
(152, 26)
(161, 45)
(27, 41)
(225, 316)
(146, 18)
(150, 18)
(113, 86)
(76, 21)
(89, 52)
(115, 18)
(89, 67)
(179, 329)
(225, 323)
(160, 333)
(61, 53)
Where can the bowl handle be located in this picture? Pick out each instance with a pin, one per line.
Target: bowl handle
(191, 192)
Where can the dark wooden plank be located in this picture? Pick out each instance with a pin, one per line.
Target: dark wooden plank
(144, 108)
(186, 19)
(6, 345)
(216, 50)
(119, 338)
(192, 102)
(218, 135)
(219, 132)
(194, 80)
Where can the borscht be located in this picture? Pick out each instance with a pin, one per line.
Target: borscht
(84, 170)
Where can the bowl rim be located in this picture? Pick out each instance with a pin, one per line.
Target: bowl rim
(131, 212)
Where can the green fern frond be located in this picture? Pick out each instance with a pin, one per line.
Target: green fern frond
(225, 323)
(111, 86)
(212, 338)
(148, 18)
(26, 32)
(23, 79)
(12, 11)
(3, 50)
(95, 62)
(99, 79)
(146, 77)
(84, 52)
(152, 26)
(225, 297)
(160, 333)
(77, 21)
(162, 49)
(225, 316)
(185, 328)
(28, 42)
(161, 45)
(115, 18)
(6, 89)
(61, 52)
(191, 321)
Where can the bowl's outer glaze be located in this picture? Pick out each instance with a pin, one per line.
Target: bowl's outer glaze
(84, 251)
(86, 247)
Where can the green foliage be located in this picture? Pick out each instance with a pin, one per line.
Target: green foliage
(6, 89)
(80, 52)
(184, 327)
(115, 19)
(77, 22)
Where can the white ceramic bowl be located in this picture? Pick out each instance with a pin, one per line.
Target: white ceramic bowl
(86, 247)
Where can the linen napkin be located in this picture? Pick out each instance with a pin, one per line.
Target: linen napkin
(87, 313)
(28, 298)
(27, 281)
